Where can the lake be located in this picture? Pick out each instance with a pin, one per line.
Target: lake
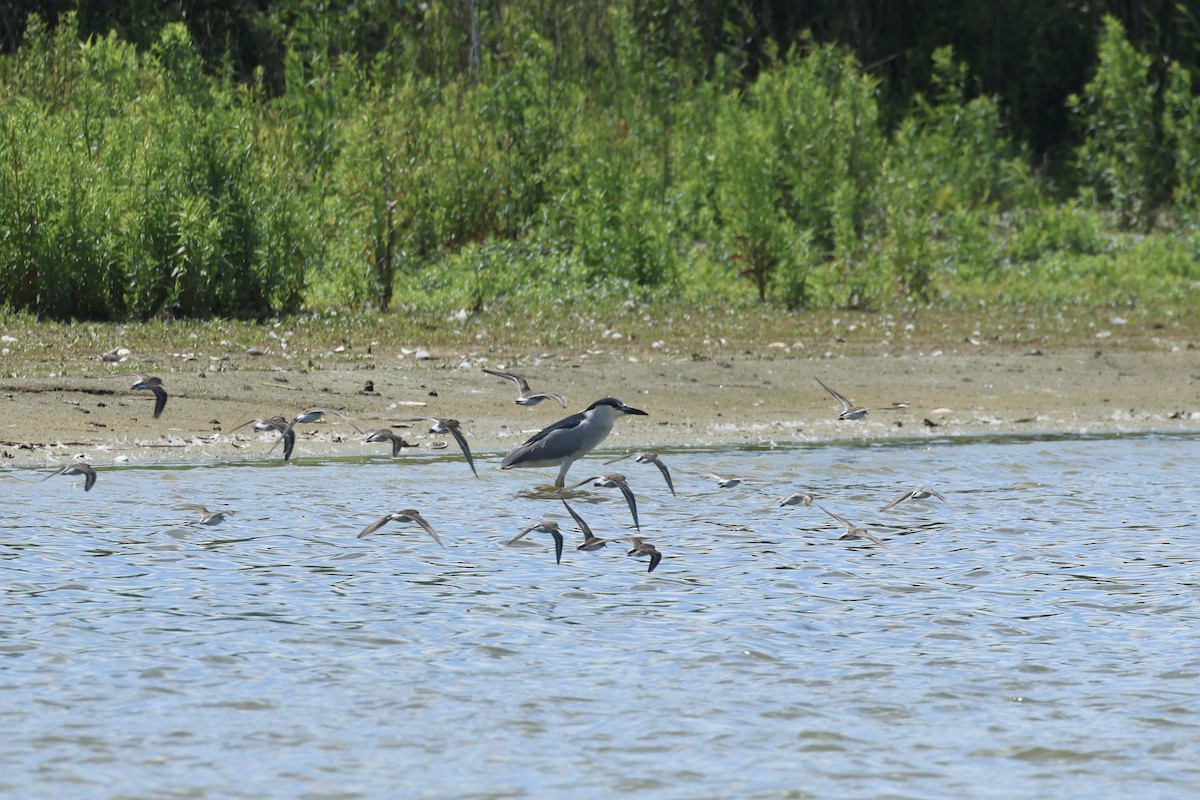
(1034, 637)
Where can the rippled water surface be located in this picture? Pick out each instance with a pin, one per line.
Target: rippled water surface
(1035, 639)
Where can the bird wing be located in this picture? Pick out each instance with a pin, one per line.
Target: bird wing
(655, 557)
(376, 525)
(521, 535)
(630, 499)
(555, 446)
(838, 517)
(558, 398)
(522, 384)
(582, 482)
(583, 526)
(89, 479)
(462, 443)
(939, 496)
(846, 404)
(160, 400)
(558, 545)
(897, 501)
(417, 518)
(340, 414)
(666, 475)
(244, 424)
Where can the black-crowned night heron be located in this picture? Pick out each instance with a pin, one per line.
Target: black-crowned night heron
(570, 439)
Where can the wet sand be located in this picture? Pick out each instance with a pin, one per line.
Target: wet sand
(722, 397)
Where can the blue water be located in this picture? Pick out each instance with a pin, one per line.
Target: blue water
(1034, 639)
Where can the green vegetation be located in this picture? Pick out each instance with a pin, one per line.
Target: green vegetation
(581, 155)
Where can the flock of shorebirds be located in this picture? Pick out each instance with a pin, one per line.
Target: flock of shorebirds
(558, 445)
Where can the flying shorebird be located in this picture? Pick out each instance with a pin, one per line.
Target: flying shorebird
(922, 493)
(206, 517)
(545, 526)
(725, 481)
(279, 425)
(851, 411)
(89, 474)
(798, 499)
(307, 417)
(648, 457)
(570, 439)
(311, 415)
(404, 515)
(609, 480)
(389, 435)
(853, 531)
(644, 548)
(590, 540)
(153, 384)
(525, 396)
(454, 428)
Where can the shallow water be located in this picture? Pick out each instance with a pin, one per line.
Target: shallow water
(1034, 639)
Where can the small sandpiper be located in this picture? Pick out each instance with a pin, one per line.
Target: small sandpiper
(89, 474)
(206, 517)
(648, 457)
(609, 480)
(153, 384)
(922, 493)
(454, 428)
(590, 541)
(525, 396)
(644, 548)
(403, 515)
(797, 499)
(389, 435)
(853, 531)
(545, 526)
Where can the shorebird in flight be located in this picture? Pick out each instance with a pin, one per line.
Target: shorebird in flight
(206, 517)
(151, 383)
(644, 548)
(526, 396)
(404, 515)
(545, 526)
(89, 474)
(389, 435)
(797, 499)
(590, 540)
(570, 439)
(648, 457)
(308, 417)
(279, 425)
(922, 493)
(609, 480)
(853, 531)
(725, 481)
(851, 411)
(454, 428)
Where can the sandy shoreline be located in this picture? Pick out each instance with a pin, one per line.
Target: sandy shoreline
(740, 398)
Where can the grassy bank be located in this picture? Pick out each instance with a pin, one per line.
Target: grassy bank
(137, 181)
